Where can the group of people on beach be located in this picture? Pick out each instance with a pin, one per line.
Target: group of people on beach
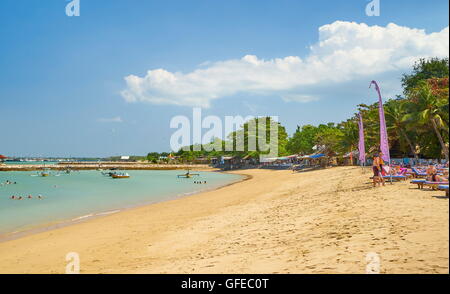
(380, 171)
(14, 197)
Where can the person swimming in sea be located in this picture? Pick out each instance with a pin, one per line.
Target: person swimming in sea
(40, 197)
(30, 197)
(12, 197)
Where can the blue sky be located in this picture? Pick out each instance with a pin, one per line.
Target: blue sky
(62, 79)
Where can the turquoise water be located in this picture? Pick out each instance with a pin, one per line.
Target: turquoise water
(30, 162)
(84, 193)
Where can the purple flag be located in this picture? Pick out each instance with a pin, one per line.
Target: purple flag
(384, 143)
(361, 145)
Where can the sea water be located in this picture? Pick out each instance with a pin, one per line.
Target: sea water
(82, 194)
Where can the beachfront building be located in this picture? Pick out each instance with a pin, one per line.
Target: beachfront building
(351, 158)
(2, 158)
(229, 162)
(125, 158)
(202, 160)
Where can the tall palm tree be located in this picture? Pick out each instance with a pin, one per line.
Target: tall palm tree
(429, 110)
(350, 135)
(395, 111)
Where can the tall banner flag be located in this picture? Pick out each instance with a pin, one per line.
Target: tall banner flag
(361, 145)
(384, 143)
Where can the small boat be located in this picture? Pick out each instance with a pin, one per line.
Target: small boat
(44, 173)
(120, 175)
(187, 175)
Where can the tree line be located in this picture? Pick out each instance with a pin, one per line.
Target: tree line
(417, 124)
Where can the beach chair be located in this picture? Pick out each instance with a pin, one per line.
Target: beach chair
(434, 185)
(418, 173)
(395, 178)
(443, 188)
(298, 167)
(419, 183)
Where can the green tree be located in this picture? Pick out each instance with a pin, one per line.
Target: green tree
(254, 136)
(350, 134)
(429, 110)
(153, 157)
(425, 69)
(329, 137)
(303, 140)
(396, 120)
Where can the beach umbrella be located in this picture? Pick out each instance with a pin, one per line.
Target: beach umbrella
(361, 145)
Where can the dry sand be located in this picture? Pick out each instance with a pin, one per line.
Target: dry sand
(323, 221)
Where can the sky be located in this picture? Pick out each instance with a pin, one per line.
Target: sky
(108, 82)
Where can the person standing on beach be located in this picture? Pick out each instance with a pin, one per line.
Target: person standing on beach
(381, 164)
(376, 167)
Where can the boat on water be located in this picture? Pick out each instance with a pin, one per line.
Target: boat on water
(187, 175)
(120, 175)
(108, 173)
(45, 174)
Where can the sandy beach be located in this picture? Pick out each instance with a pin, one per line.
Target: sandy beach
(323, 221)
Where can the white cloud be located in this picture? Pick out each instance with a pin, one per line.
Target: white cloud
(346, 51)
(116, 119)
(299, 98)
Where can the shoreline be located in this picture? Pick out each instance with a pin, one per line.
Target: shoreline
(9, 236)
(277, 222)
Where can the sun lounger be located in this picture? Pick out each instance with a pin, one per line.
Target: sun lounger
(443, 188)
(419, 183)
(396, 177)
(434, 185)
(418, 173)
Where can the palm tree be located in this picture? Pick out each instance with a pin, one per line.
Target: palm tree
(395, 111)
(350, 134)
(429, 110)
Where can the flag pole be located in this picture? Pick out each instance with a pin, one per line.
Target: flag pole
(361, 145)
(384, 141)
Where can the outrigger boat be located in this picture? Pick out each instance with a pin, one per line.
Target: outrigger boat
(187, 175)
(109, 173)
(120, 175)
